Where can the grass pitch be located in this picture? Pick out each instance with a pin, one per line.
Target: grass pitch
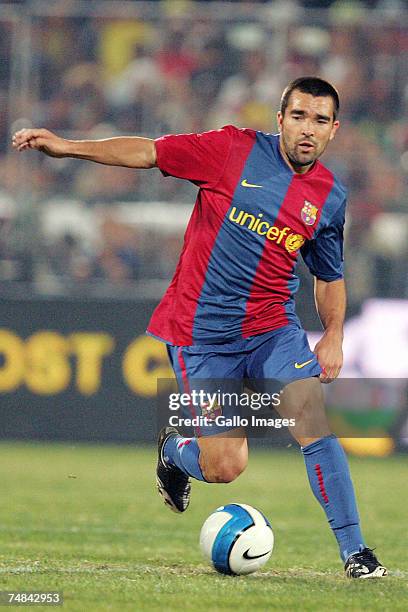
(87, 520)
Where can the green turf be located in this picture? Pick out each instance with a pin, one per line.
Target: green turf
(86, 520)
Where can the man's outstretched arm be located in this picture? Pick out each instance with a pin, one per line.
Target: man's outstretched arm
(331, 307)
(127, 151)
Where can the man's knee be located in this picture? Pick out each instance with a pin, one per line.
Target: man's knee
(224, 470)
(303, 401)
(223, 458)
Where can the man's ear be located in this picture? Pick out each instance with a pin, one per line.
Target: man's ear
(279, 119)
(335, 127)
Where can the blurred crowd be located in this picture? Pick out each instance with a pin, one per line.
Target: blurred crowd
(65, 225)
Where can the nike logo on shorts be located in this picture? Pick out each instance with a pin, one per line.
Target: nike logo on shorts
(298, 366)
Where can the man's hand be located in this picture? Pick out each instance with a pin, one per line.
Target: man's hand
(42, 140)
(329, 355)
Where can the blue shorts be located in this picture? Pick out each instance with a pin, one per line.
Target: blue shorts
(268, 361)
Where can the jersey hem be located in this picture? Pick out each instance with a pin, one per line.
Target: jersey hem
(226, 340)
(149, 333)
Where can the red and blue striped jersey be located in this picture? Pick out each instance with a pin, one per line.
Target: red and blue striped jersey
(252, 217)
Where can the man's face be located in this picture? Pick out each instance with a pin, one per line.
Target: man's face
(306, 129)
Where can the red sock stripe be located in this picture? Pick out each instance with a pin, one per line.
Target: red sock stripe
(183, 443)
(321, 483)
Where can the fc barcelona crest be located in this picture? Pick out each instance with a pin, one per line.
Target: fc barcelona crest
(309, 213)
(211, 410)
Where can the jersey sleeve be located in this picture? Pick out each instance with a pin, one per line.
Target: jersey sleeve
(323, 254)
(199, 158)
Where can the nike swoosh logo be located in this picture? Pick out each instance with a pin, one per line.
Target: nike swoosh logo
(245, 183)
(246, 556)
(302, 365)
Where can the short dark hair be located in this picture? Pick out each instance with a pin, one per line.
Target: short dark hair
(313, 86)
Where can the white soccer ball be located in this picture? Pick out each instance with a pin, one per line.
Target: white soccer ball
(237, 539)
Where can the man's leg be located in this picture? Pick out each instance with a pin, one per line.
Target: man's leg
(283, 356)
(216, 454)
(224, 456)
(326, 462)
(217, 458)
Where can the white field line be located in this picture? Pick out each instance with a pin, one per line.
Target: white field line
(37, 568)
(75, 529)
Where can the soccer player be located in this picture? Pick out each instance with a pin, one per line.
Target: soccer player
(229, 310)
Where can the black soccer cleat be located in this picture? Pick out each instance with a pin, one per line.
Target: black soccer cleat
(364, 564)
(172, 483)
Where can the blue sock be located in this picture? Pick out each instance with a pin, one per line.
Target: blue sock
(183, 452)
(329, 477)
